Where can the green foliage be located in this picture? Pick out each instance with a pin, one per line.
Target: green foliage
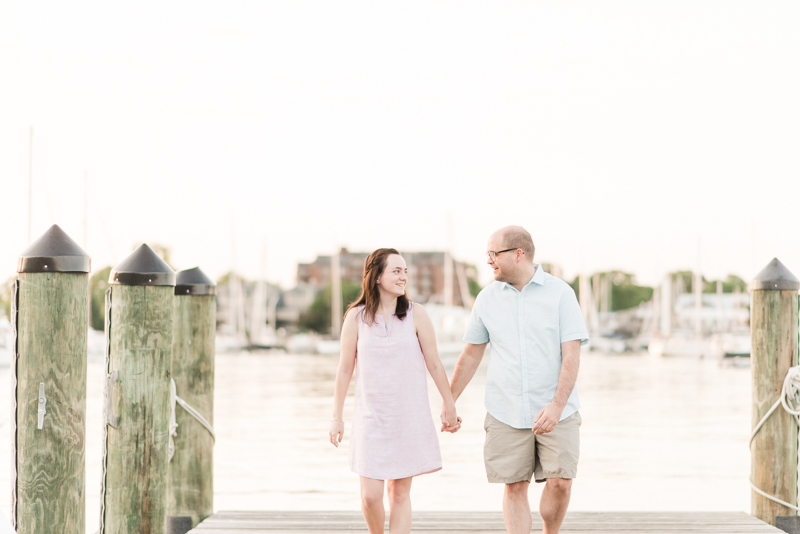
(625, 296)
(318, 316)
(223, 280)
(732, 282)
(729, 285)
(683, 279)
(576, 286)
(625, 292)
(98, 284)
(471, 274)
(6, 291)
(474, 287)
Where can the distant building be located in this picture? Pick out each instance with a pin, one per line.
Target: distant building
(295, 301)
(318, 273)
(427, 279)
(426, 275)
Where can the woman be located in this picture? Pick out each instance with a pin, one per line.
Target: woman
(394, 439)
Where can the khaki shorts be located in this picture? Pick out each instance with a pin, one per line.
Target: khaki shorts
(514, 455)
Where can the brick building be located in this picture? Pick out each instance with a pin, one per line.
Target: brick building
(426, 275)
(318, 273)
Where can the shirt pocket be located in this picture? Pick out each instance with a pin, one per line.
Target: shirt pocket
(543, 320)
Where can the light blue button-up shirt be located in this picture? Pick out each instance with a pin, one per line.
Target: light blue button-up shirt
(526, 329)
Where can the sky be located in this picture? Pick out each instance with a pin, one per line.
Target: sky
(641, 136)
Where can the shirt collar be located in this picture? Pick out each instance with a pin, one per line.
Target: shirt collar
(538, 278)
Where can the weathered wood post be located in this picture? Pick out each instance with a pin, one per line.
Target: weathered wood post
(191, 469)
(50, 312)
(139, 337)
(774, 327)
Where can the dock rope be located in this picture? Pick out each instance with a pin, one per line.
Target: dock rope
(173, 425)
(790, 400)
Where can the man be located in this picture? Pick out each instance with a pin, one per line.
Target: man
(536, 329)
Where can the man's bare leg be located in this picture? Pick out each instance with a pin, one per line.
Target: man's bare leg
(516, 508)
(399, 505)
(372, 504)
(554, 503)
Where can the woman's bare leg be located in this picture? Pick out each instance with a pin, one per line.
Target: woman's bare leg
(399, 505)
(372, 504)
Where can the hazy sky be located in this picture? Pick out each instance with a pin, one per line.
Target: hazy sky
(645, 136)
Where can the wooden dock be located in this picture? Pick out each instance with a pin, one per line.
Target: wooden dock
(487, 522)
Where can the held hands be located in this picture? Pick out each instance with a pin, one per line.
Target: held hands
(337, 432)
(547, 419)
(450, 421)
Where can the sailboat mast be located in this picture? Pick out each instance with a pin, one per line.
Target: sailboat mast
(232, 302)
(336, 295)
(240, 320)
(697, 289)
(447, 294)
(259, 310)
(30, 183)
(85, 209)
(448, 279)
(463, 286)
(666, 306)
(721, 327)
(585, 296)
(233, 284)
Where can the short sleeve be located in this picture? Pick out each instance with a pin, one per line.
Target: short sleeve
(476, 331)
(570, 319)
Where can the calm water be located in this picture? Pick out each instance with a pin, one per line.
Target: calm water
(657, 434)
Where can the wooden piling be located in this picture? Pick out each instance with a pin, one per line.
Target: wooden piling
(774, 327)
(49, 435)
(191, 470)
(139, 332)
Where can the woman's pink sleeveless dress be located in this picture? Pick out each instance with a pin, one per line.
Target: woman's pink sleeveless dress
(393, 433)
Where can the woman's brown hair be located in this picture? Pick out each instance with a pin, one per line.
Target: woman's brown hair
(370, 296)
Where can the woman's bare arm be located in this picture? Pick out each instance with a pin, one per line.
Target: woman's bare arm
(427, 342)
(344, 373)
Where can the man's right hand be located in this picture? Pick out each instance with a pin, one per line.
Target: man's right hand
(450, 421)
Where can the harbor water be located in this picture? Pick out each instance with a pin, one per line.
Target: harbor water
(657, 434)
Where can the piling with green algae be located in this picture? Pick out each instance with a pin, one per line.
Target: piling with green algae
(774, 448)
(50, 314)
(139, 336)
(191, 469)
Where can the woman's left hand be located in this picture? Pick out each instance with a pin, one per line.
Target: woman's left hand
(451, 422)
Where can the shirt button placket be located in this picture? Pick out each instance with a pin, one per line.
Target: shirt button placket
(526, 409)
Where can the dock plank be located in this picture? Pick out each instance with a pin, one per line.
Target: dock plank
(315, 522)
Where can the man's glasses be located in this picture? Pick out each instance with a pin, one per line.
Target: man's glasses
(492, 254)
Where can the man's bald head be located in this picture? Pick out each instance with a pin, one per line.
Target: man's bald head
(516, 237)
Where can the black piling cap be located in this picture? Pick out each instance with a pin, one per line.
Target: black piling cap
(194, 282)
(54, 252)
(775, 276)
(143, 268)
